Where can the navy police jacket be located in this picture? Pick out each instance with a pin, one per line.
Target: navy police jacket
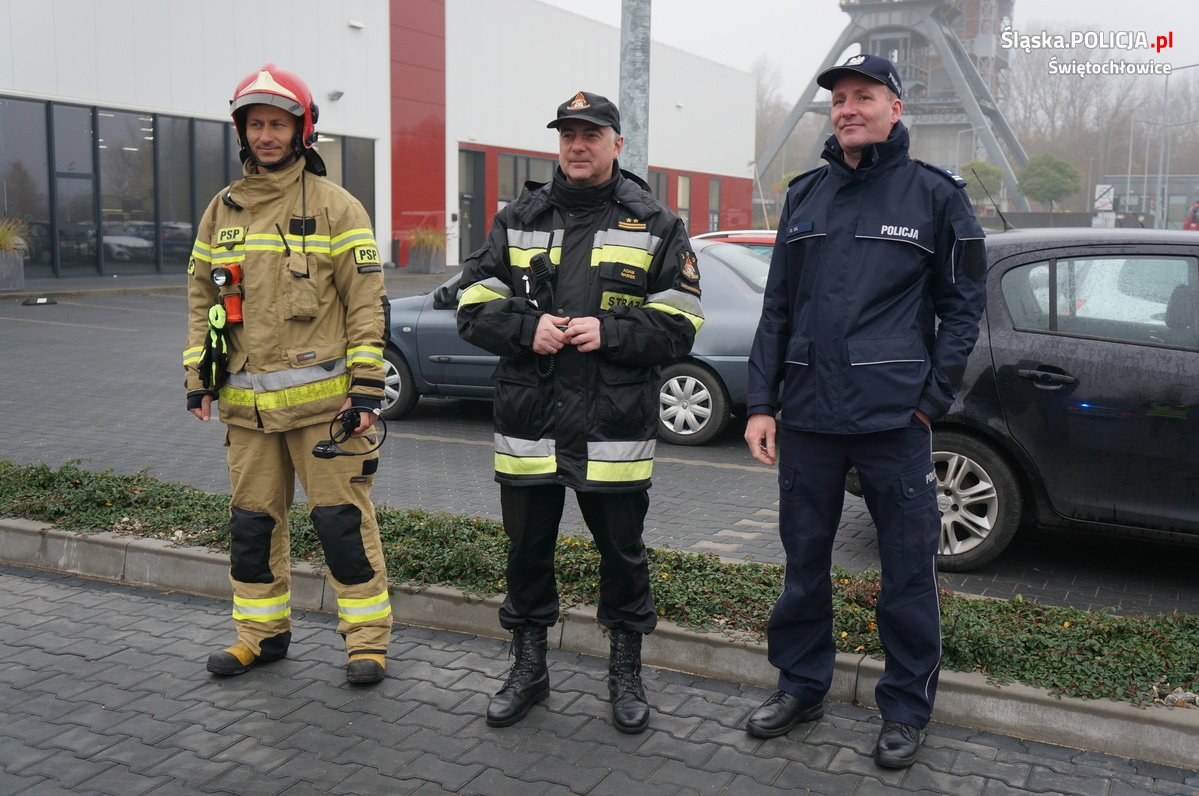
(876, 287)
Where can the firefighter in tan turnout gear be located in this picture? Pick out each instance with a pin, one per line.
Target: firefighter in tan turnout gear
(287, 317)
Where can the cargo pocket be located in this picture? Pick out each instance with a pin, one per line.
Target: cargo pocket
(623, 405)
(520, 405)
(921, 521)
(298, 289)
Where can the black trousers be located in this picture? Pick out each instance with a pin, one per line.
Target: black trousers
(616, 520)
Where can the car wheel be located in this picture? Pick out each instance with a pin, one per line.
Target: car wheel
(399, 388)
(979, 498)
(693, 407)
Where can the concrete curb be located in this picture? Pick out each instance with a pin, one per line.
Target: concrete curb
(1157, 734)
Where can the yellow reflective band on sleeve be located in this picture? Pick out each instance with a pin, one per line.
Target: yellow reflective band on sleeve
(191, 356)
(696, 320)
(610, 253)
(364, 609)
(523, 258)
(478, 293)
(350, 239)
(620, 472)
(202, 251)
(364, 355)
(525, 465)
(263, 609)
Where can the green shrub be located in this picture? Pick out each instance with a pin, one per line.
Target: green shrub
(1070, 652)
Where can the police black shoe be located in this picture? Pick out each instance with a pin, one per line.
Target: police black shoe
(239, 658)
(528, 681)
(897, 745)
(365, 668)
(779, 714)
(630, 709)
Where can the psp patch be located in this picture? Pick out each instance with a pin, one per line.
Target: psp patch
(366, 255)
(687, 266)
(230, 236)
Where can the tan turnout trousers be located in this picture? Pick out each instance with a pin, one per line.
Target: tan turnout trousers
(262, 470)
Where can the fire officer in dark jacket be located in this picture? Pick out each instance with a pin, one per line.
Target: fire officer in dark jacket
(585, 287)
(871, 308)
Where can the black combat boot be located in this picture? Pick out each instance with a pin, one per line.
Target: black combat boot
(630, 710)
(528, 682)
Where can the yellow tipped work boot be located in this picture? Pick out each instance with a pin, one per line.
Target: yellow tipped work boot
(365, 668)
(239, 658)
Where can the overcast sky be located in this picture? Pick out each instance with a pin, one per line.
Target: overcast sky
(797, 34)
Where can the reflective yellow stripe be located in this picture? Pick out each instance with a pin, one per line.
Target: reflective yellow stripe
(696, 320)
(478, 293)
(291, 396)
(263, 609)
(202, 252)
(364, 609)
(364, 355)
(227, 256)
(611, 253)
(192, 355)
(523, 258)
(525, 465)
(351, 238)
(620, 472)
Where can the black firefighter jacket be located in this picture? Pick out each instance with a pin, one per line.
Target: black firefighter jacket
(876, 287)
(586, 421)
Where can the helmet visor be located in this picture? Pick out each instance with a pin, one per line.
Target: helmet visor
(263, 98)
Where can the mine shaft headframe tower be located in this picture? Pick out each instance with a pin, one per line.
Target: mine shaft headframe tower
(950, 81)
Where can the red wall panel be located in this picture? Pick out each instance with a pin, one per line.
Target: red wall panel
(418, 148)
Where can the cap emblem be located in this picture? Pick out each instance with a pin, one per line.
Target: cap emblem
(578, 103)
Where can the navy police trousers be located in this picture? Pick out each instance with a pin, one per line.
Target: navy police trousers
(899, 486)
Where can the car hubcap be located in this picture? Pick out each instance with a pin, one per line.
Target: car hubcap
(686, 405)
(391, 385)
(968, 502)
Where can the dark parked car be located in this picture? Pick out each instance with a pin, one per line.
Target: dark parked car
(1080, 405)
(699, 393)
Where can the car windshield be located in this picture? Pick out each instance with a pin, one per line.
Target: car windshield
(744, 262)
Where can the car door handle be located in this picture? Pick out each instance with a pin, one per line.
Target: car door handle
(1046, 379)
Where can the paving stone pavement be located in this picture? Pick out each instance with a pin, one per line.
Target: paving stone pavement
(104, 692)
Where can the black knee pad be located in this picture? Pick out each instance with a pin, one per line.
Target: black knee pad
(340, 531)
(250, 545)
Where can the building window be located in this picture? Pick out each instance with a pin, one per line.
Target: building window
(75, 201)
(210, 160)
(176, 210)
(714, 203)
(25, 175)
(127, 220)
(684, 185)
(359, 172)
(516, 170)
(658, 186)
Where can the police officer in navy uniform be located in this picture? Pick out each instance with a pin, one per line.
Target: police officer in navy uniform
(871, 308)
